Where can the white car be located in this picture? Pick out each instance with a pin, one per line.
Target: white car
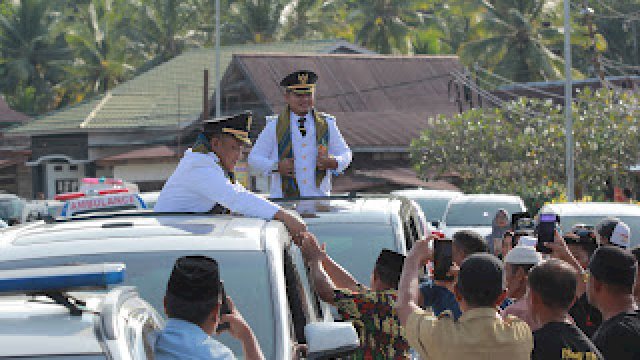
(363, 225)
(476, 212)
(591, 213)
(52, 319)
(432, 202)
(263, 273)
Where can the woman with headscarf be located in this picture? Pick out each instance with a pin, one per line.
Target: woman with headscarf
(499, 226)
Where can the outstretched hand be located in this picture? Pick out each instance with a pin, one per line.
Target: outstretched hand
(311, 250)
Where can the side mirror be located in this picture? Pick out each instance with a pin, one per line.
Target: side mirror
(327, 340)
(436, 224)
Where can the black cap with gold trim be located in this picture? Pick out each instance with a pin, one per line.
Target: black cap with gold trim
(300, 82)
(237, 125)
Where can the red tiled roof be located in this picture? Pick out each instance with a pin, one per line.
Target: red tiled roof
(8, 115)
(161, 151)
(378, 100)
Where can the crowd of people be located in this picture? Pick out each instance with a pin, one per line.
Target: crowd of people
(578, 302)
(501, 297)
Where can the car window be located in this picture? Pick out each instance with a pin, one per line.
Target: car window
(433, 208)
(245, 274)
(568, 221)
(364, 239)
(298, 302)
(11, 209)
(314, 312)
(477, 213)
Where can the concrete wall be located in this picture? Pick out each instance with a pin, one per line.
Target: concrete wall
(144, 172)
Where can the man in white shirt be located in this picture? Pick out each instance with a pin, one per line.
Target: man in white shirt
(301, 148)
(203, 180)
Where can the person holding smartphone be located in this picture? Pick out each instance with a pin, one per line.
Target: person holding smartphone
(437, 293)
(193, 304)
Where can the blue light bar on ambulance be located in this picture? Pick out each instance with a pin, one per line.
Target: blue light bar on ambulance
(61, 278)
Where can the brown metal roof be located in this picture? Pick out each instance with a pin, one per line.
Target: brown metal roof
(396, 177)
(378, 100)
(8, 115)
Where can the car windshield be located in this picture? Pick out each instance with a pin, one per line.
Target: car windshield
(365, 240)
(477, 213)
(11, 209)
(433, 209)
(245, 275)
(568, 221)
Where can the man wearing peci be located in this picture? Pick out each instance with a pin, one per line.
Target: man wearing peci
(301, 148)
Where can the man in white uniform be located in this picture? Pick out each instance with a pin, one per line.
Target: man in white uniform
(203, 180)
(301, 148)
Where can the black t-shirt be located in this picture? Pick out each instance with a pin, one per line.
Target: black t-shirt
(558, 340)
(619, 337)
(587, 317)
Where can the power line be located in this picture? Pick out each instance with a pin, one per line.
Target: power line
(491, 97)
(537, 90)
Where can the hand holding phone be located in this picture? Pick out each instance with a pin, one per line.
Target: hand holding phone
(546, 232)
(224, 309)
(442, 259)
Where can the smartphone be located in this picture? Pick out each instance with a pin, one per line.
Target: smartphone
(546, 232)
(224, 309)
(515, 218)
(442, 260)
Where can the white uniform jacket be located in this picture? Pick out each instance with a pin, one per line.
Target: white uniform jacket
(264, 155)
(199, 183)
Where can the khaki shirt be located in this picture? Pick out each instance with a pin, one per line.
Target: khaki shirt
(479, 334)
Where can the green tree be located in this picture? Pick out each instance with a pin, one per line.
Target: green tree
(619, 23)
(104, 54)
(446, 27)
(515, 41)
(312, 19)
(32, 56)
(511, 150)
(384, 26)
(254, 21)
(166, 27)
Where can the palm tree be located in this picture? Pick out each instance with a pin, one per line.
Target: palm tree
(310, 19)
(254, 21)
(162, 27)
(32, 55)
(517, 40)
(446, 27)
(383, 26)
(104, 55)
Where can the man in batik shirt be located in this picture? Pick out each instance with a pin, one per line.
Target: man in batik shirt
(371, 311)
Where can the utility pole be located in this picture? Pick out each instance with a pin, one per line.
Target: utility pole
(217, 58)
(568, 93)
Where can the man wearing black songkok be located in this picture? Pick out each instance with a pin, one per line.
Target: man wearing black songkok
(192, 303)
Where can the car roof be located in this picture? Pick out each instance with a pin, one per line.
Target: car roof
(374, 209)
(469, 198)
(36, 328)
(152, 231)
(593, 209)
(427, 193)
